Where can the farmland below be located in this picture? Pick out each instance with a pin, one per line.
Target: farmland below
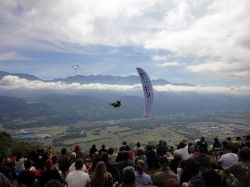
(171, 128)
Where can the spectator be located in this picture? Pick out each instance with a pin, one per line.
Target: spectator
(7, 167)
(111, 155)
(160, 177)
(78, 178)
(50, 173)
(137, 147)
(142, 156)
(92, 150)
(100, 177)
(20, 163)
(123, 163)
(110, 167)
(102, 150)
(72, 161)
(216, 145)
(175, 163)
(239, 170)
(183, 151)
(78, 152)
(247, 141)
(129, 177)
(228, 158)
(64, 162)
(193, 167)
(141, 177)
(160, 149)
(152, 160)
(202, 145)
(4, 181)
(26, 177)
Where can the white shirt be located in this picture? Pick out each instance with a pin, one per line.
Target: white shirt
(77, 178)
(142, 180)
(228, 159)
(183, 152)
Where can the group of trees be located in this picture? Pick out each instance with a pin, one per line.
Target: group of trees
(9, 146)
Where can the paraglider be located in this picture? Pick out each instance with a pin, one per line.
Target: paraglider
(76, 67)
(148, 91)
(116, 104)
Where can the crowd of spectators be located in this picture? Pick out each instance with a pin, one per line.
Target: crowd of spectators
(190, 164)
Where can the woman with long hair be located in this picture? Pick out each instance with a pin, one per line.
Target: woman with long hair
(100, 177)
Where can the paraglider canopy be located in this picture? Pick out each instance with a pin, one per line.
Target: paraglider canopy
(76, 67)
(116, 104)
(148, 91)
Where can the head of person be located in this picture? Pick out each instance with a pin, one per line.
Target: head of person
(124, 143)
(149, 148)
(93, 146)
(244, 154)
(127, 148)
(54, 159)
(192, 166)
(229, 139)
(77, 146)
(79, 164)
(227, 147)
(105, 157)
(48, 164)
(163, 161)
(27, 164)
(182, 144)
(202, 139)
(216, 139)
(63, 151)
(100, 168)
(247, 141)
(73, 155)
(238, 138)
(138, 144)
(110, 151)
(140, 152)
(140, 166)
(129, 175)
(103, 146)
(125, 155)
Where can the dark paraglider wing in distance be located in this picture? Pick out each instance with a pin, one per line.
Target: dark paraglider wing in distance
(76, 67)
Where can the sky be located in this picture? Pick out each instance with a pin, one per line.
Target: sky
(202, 42)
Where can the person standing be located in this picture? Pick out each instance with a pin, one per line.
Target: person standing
(78, 178)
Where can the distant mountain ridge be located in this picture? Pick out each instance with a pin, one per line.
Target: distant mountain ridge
(103, 79)
(21, 75)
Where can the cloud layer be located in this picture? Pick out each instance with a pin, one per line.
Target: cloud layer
(216, 31)
(15, 83)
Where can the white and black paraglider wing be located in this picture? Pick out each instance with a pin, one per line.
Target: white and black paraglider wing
(148, 91)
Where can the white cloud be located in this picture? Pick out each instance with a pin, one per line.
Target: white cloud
(13, 82)
(166, 61)
(12, 56)
(222, 32)
(169, 64)
(212, 28)
(16, 83)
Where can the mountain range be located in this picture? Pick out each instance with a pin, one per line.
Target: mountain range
(50, 108)
(104, 79)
